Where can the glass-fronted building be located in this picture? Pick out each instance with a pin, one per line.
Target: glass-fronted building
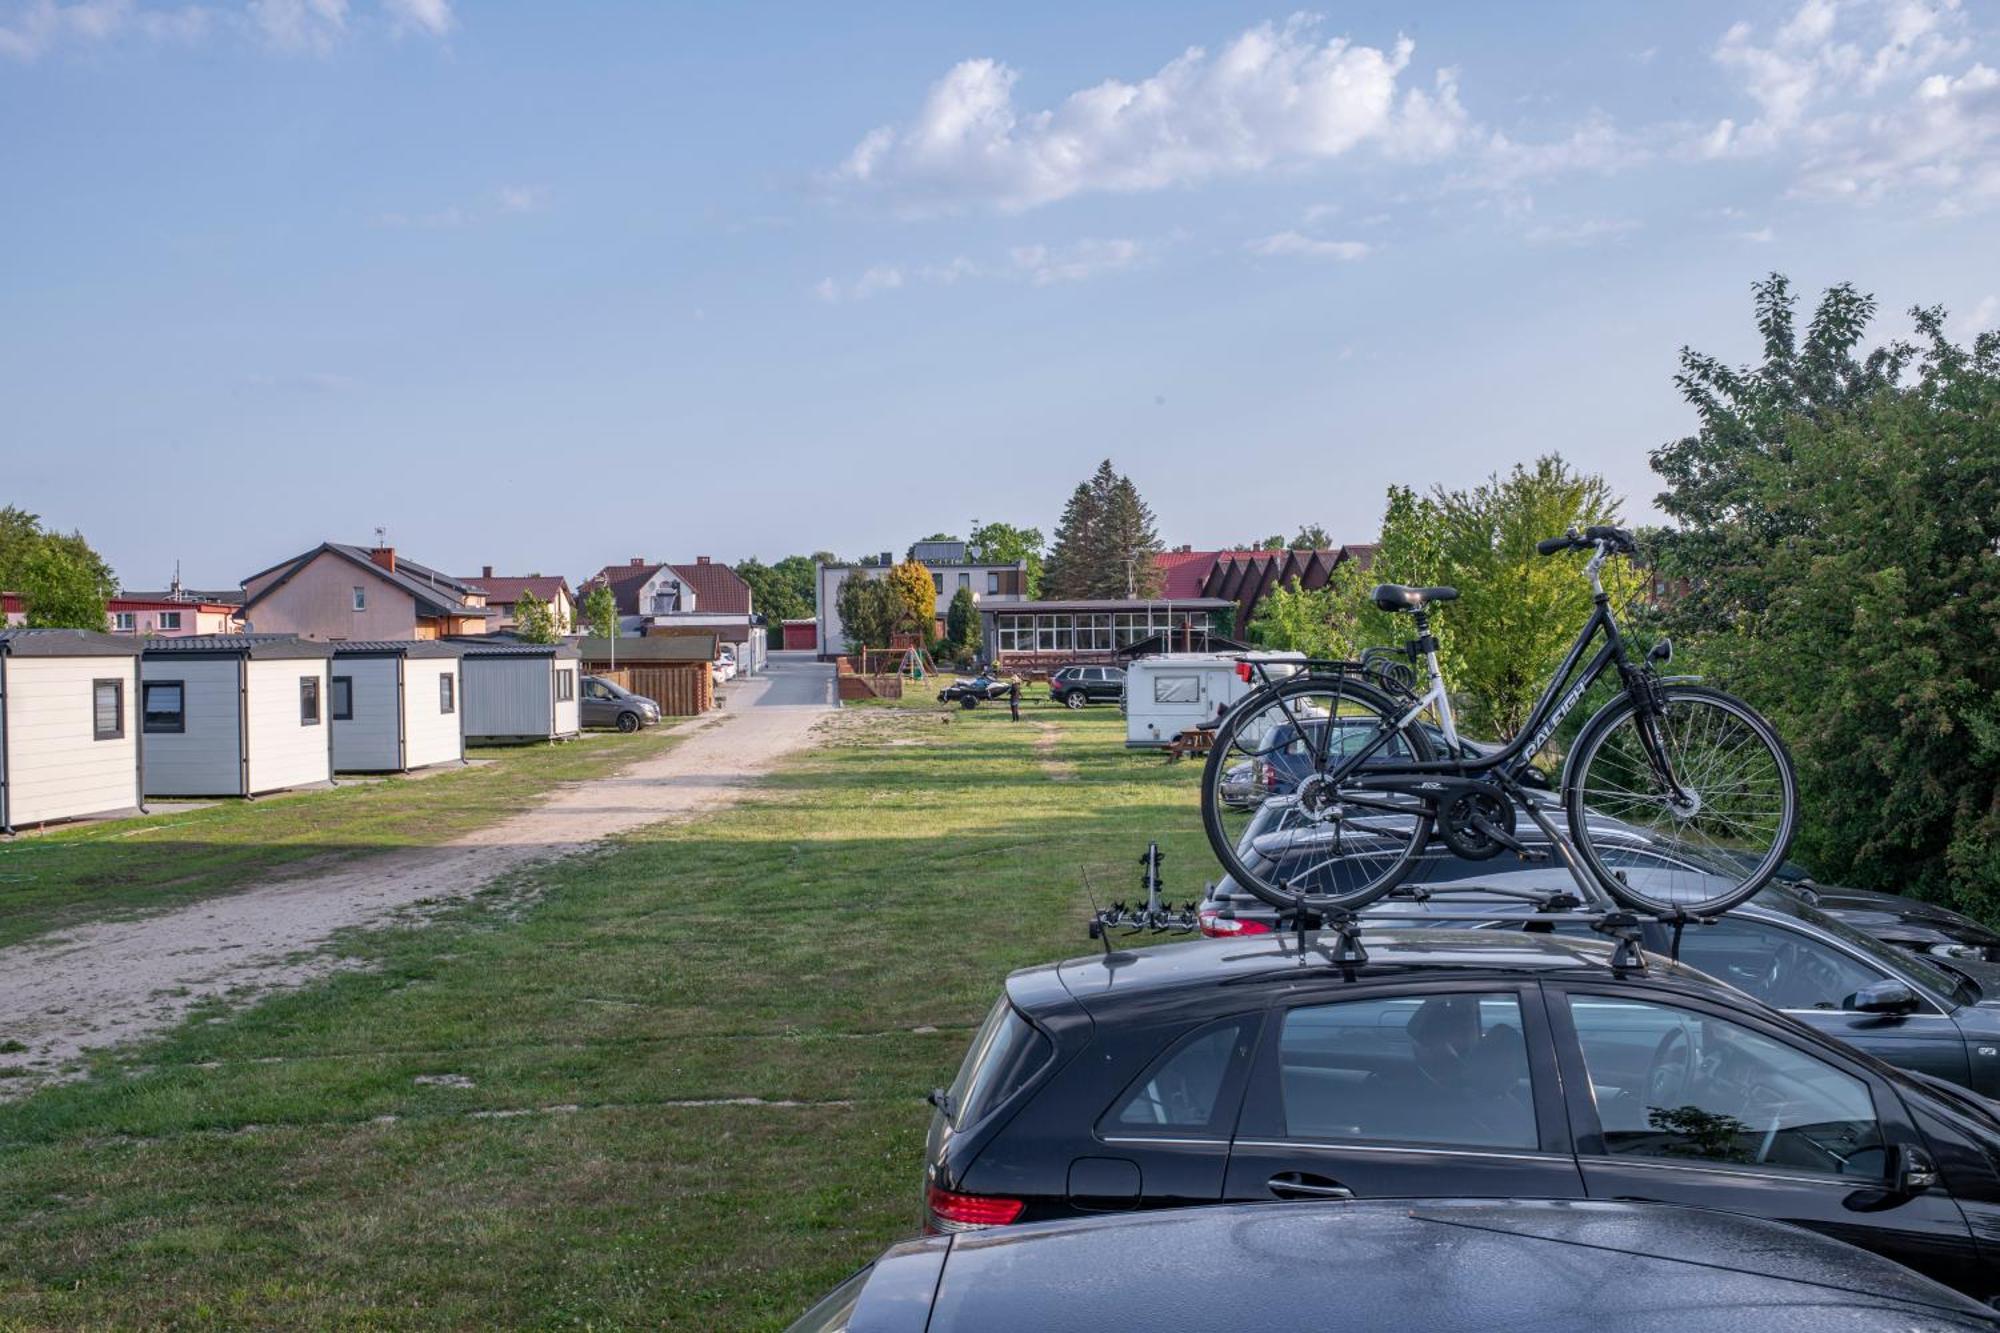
(1034, 635)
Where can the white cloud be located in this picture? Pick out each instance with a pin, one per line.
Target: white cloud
(1038, 265)
(1290, 243)
(41, 25)
(432, 17)
(315, 26)
(523, 198)
(1273, 95)
(1761, 236)
(1984, 316)
(880, 278)
(1944, 141)
(1585, 232)
(1076, 262)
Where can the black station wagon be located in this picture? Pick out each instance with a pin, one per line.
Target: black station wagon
(1451, 1063)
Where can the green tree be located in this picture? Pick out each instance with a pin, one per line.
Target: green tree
(774, 589)
(1335, 621)
(1839, 534)
(869, 610)
(961, 625)
(600, 612)
(1312, 537)
(916, 596)
(62, 589)
(534, 619)
(1003, 543)
(1107, 543)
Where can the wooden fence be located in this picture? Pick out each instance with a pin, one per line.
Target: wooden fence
(681, 689)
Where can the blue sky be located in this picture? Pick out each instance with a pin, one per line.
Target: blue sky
(550, 285)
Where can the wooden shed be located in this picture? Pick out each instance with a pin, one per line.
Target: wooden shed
(395, 705)
(68, 746)
(673, 670)
(235, 714)
(517, 691)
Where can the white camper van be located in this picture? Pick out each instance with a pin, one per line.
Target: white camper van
(1170, 692)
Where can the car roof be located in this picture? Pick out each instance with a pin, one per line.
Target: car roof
(1449, 1264)
(1123, 975)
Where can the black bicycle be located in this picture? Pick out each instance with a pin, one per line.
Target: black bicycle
(1324, 788)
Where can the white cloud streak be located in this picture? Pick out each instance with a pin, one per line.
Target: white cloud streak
(1037, 265)
(1292, 244)
(1273, 95)
(31, 30)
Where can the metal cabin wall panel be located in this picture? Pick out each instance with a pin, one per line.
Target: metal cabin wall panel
(56, 768)
(568, 712)
(432, 734)
(367, 742)
(508, 697)
(206, 758)
(284, 751)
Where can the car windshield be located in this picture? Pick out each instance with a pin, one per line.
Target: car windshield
(1895, 961)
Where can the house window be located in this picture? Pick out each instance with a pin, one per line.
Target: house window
(565, 685)
(170, 620)
(107, 699)
(937, 581)
(360, 598)
(308, 701)
(163, 706)
(124, 620)
(992, 583)
(343, 698)
(446, 704)
(964, 581)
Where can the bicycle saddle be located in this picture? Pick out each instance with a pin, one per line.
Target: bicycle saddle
(1396, 597)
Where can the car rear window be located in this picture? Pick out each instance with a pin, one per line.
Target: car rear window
(1005, 1054)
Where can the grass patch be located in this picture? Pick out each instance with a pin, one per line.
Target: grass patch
(533, 1116)
(90, 872)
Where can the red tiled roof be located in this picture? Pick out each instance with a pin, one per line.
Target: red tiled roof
(717, 589)
(624, 582)
(1182, 573)
(502, 591)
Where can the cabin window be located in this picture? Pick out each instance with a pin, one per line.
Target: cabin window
(170, 620)
(446, 703)
(107, 699)
(125, 620)
(342, 688)
(565, 685)
(163, 706)
(360, 598)
(1177, 689)
(308, 701)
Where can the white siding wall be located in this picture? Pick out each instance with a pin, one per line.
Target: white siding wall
(367, 743)
(207, 758)
(569, 714)
(509, 697)
(283, 751)
(433, 736)
(56, 769)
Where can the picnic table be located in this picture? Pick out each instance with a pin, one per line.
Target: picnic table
(1194, 741)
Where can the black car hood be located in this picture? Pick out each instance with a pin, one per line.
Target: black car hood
(1433, 1265)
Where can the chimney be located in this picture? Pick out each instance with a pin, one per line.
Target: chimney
(384, 556)
(701, 560)
(638, 560)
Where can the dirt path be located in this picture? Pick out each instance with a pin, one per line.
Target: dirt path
(67, 993)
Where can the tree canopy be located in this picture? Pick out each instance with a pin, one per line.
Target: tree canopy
(535, 619)
(781, 591)
(600, 612)
(1003, 543)
(869, 610)
(1106, 544)
(1838, 559)
(63, 583)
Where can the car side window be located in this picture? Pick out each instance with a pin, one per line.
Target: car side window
(1786, 969)
(1677, 1084)
(1446, 1069)
(1182, 1090)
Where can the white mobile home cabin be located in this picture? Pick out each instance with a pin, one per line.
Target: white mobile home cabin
(517, 691)
(1168, 693)
(235, 714)
(68, 744)
(395, 706)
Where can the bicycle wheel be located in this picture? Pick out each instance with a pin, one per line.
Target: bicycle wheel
(1279, 828)
(1701, 850)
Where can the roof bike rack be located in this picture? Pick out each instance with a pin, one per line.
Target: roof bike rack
(1155, 916)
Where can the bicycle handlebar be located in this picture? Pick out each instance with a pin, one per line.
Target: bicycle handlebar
(1617, 539)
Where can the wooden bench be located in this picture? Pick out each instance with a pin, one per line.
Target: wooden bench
(1194, 741)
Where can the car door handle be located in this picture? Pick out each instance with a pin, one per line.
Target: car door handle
(1305, 1185)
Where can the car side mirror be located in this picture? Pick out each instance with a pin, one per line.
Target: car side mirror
(1882, 997)
(1911, 1170)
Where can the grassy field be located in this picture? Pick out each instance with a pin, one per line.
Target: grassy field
(535, 1113)
(120, 867)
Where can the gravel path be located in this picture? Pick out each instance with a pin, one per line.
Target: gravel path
(70, 992)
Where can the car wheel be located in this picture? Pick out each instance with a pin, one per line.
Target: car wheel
(1074, 699)
(628, 722)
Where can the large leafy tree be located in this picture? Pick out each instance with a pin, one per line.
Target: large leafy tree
(869, 611)
(534, 619)
(782, 591)
(62, 580)
(916, 595)
(1106, 544)
(1312, 537)
(1003, 543)
(600, 612)
(1839, 551)
(961, 625)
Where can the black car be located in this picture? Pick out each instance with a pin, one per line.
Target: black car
(1491, 1063)
(1920, 927)
(1437, 1265)
(1938, 1015)
(1075, 686)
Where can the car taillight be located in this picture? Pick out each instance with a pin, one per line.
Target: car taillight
(952, 1211)
(1217, 926)
(1269, 775)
